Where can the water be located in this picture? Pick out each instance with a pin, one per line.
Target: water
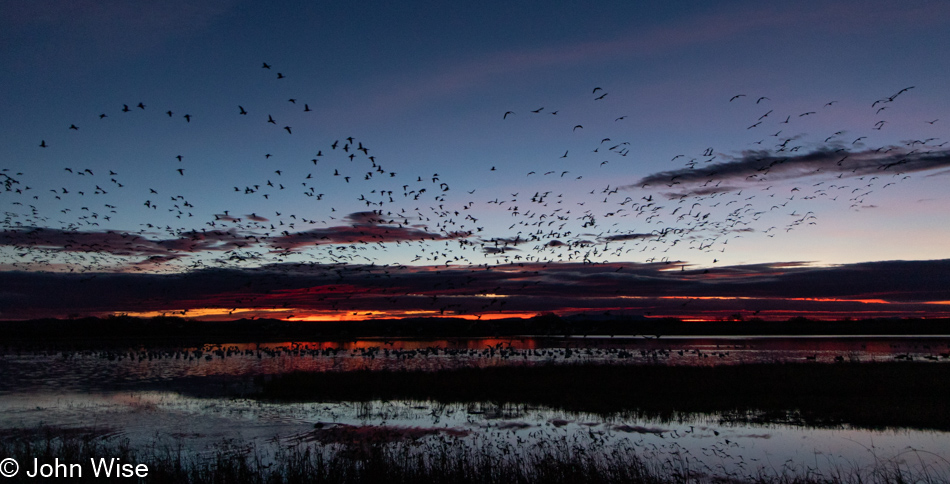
(191, 397)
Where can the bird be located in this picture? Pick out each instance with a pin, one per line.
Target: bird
(757, 101)
(43, 143)
(187, 117)
(306, 108)
(242, 110)
(737, 96)
(288, 129)
(578, 126)
(266, 66)
(506, 114)
(270, 119)
(73, 126)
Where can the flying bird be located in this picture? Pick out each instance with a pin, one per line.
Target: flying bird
(242, 110)
(737, 96)
(506, 114)
(575, 127)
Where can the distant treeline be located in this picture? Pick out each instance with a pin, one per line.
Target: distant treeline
(173, 330)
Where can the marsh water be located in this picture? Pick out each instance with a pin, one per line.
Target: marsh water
(202, 399)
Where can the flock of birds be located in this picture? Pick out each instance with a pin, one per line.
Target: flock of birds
(421, 218)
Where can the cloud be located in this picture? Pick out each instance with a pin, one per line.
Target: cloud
(621, 237)
(872, 288)
(769, 166)
(256, 218)
(367, 227)
(115, 243)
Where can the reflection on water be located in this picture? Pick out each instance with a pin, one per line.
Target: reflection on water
(710, 443)
(122, 394)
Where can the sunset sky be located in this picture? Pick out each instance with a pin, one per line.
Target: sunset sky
(342, 160)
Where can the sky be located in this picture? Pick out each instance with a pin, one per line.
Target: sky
(328, 160)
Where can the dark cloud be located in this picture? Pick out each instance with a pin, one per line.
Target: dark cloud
(500, 250)
(899, 288)
(256, 218)
(367, 227)
(619, 237)
(768, 165)
(116, 243)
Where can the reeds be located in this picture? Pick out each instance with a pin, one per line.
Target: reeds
(443, 459)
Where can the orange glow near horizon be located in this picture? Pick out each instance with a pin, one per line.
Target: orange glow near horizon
(293, 314)
(814, 299)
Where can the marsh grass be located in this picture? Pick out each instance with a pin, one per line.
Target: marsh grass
(434, 460)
